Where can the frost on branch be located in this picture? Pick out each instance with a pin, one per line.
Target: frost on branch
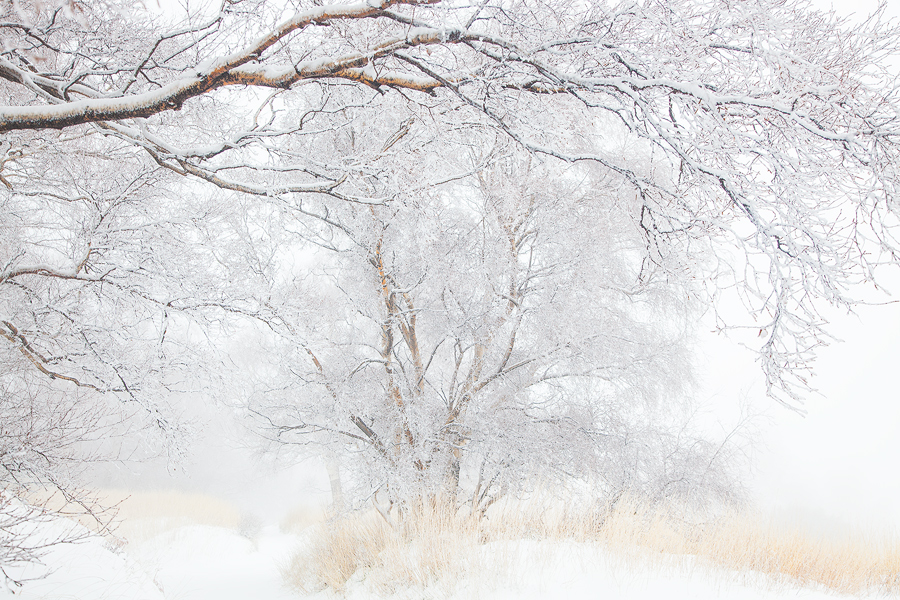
(775, 126)
(489, 335)
(163, 174)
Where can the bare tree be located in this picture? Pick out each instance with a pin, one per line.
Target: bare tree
(761, 126)
(48, 436)
(110, 295)
(477, 339)
(776, 124)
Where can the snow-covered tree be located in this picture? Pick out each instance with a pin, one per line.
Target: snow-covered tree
(487, 335)
(104, 275)
(759, 129)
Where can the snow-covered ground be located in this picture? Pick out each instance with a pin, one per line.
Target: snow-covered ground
(202, 562)
(196, 562)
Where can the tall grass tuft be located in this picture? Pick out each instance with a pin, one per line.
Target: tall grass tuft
(428, 542)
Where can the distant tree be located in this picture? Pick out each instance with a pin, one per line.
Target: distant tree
(753, 144)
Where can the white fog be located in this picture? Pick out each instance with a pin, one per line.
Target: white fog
(449, 299)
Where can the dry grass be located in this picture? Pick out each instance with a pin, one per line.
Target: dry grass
(851, 563)
(303, 517)
(429, 543)
(432, 543)
(143, 515)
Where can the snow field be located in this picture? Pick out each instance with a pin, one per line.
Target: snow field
(522, 550)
